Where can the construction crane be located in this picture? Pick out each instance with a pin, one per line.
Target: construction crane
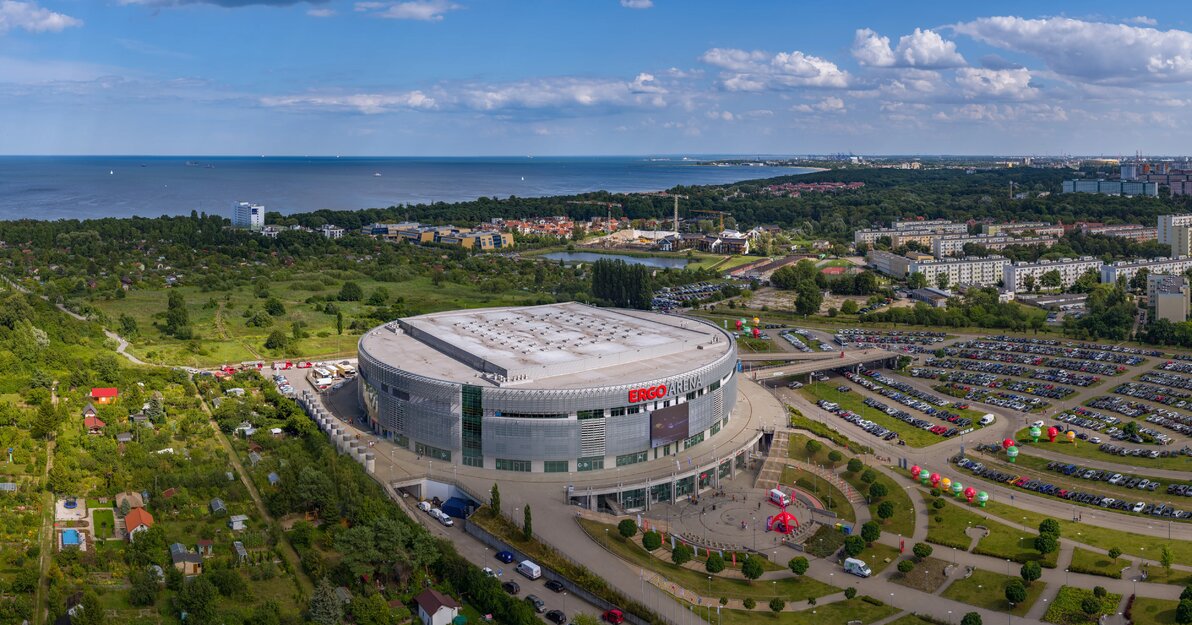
(608, 205)
(676, 196)
(721, 213)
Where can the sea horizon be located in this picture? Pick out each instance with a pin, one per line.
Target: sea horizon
(89, 187)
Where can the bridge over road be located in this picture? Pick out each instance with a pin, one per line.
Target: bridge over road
(775, 365)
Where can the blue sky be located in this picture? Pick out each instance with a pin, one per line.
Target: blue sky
(481, 77)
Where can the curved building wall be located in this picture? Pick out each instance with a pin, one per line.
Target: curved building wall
(537, 426)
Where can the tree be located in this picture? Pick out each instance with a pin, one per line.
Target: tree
(808, 298)
(877, 490)
(371, 610)
(144, 587)
(871, 532)
(494, 500)
(339, 322)
(1015, 592)
(274, 307)
(849, 307)
(379, 297)
(627, 528)
(776, 605)
(850, 592)
(971, 618)
(798, 565)
(922, 550)
(1046, 544)
(276, 340)
(1183, 612)
(752, 568)
(885, 510)
(854, 465)
(1090, 606)
(869, 476)
(651, 540)
(92, 612)
(916, 280)
(1028, 282)
(681, 554)
(906, 566)
(749, 603)
(1166, 558)
(1100, 592)
(714, 564)
(177, 317)
(1052, 279)
(325, 608)
(1050, 527)
(835, 456)
(853, 545)
(941, 281)
(527, 524)
(1030, 572)
(1114, 553)
(621, 284)
(1186, 593)
(813, 447)
(350, 292)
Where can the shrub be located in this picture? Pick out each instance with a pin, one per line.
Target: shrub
(776, 605)
(872, 600)
(885, 510)
(906, 566)
(714, 564)
(798, 565)
(627, 528)
(681, 554)
(1031, 571)
(835, 456)
(972, 618)
(1114, 553)
(724, 601)
(1100, 592)
(855, 465)
(871, 532)
(813, 447)
(868, 476)
(850, 592)
(749, 603)
(1015, 592)
(939, 504)
(854, 545)
(651, 540)
(1050, 527)
(921, 550)
(1183, 612)
(877, 491)
(1090, 606)
(1046, 543)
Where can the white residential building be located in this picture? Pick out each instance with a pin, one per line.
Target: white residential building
(248, 216)
(1168, 295)
(1070, 269)
(952, 244)
(972, 270)
(1168, 222)
(1127, 268)
(331, 232)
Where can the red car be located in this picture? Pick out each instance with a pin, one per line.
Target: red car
(614, 616)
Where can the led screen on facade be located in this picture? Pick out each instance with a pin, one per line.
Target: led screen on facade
(668, 425)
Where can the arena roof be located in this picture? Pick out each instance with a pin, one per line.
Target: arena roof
(553, 346)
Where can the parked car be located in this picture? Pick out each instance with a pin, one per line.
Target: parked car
(554, 585)
(538, 604)
(511, 588)
(557, 617)
(614, 616)
(505, 556)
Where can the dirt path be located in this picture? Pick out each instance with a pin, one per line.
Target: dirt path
(46, 538)
(287, 550)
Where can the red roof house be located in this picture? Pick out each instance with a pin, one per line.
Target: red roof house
(94, 425)
(137, 520)
(105, 395)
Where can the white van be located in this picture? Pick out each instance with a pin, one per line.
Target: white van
(987, 419)
(529, 569)
(857, 567)
(780, 498)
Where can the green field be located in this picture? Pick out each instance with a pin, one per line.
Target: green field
(1093, 563)
(853, 401)
(790, 588)
(986, 589)
(1066, 609)
(104, 522)
(1004, 541)
(836, 613)
(1088, 450)
(1147, 611)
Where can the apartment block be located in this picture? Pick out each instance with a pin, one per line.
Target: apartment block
(1168, 295)
(971, 270)
(1070, 269)
(1167, 222)
(949, 245)
(1127, 268)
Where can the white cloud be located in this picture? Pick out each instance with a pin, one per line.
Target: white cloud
(33, 18)
(1091, 50)
(922, 48)
(1144, 20)
(637, 4)
(321, 12)
(422, 10)
(1004, 113)
(1010, 84)
(831, 104)
(367, 103)
(757, 70)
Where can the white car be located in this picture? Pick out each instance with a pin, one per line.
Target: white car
(1138, 506)
(443, 517)
(1037, 424)
(424, 506)
(488, 572)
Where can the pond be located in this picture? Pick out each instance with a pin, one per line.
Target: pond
(658, 262)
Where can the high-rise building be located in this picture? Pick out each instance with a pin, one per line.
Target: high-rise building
(248, 216)
(1069, 269)
(1167, 222)
(1168, 295)
(970, 271)
(1112, 187)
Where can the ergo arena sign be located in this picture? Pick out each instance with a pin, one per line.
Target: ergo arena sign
(659, 391)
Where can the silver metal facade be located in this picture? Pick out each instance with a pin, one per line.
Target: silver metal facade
(429, 412)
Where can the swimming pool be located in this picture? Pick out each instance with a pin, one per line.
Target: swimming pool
(70, 538)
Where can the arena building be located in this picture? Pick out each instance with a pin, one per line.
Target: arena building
(551, 389)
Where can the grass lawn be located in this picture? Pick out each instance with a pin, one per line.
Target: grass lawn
(879, 557)
(1147, 611)
(986, 589)
(950, 529)
(903, 521)
(1093, 563)
(836, 613)
(853, 401)
(1036, 468)
(824, 542)
(748, 344)
(1004, 541)
(1096, 536)
(105, 522)
(927, 575)
(1084, 449)
(1014, 545)
(790, 588)
(831, 496)
(1160, 575)
(1066, 609)
(800, 422)
(910, 619)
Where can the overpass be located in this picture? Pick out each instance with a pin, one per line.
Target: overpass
(783, 364)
